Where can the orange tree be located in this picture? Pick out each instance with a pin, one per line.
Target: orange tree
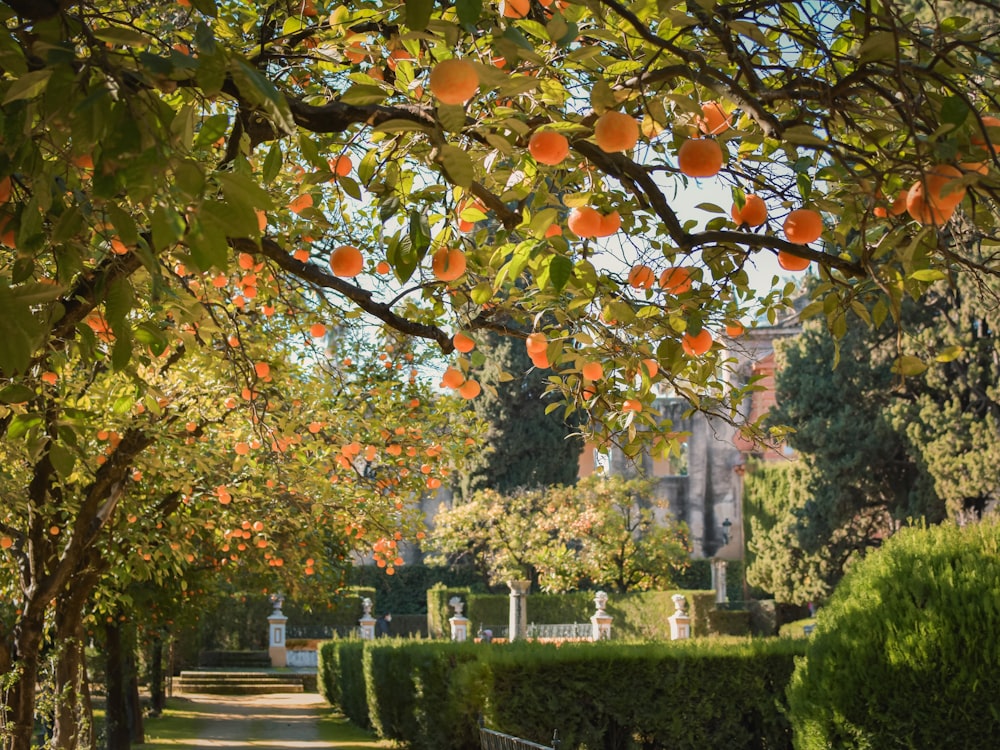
(152, 150)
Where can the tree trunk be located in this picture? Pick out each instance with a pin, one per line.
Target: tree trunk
(74, 718)
(158, 699)
(20, 717)
(116, 730)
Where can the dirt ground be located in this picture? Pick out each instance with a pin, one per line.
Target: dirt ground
(274, 721)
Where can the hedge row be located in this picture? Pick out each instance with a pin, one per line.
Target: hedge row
(696, 694)
(638, 615)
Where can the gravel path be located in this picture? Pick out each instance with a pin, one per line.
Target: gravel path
(276, 721)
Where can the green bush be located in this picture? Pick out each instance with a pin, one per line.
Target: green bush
(353, 688)
(328, 672)
(905, 654)
(608, 696)
(718, 693)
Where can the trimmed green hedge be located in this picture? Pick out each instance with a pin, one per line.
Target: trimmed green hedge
(353, 689)
(600, 696)
(905, 653)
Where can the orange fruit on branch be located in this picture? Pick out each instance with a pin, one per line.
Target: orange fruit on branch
(791, 262)
(641, 277)
(700, 157)
(346, 261)
(990, 123)
(452, 378)
(463, 343)
(713, 119)
(454, 81)
(616, 131)
(675, 280)
(934, 197)
(735, 330)
(592, 371)
(697, 344)
(536, 343)
(470, 389)
(448, 264)
(803, 225)
(516, 8)
(753, 213)
(585, 221)
(610, 223)
(548, 147)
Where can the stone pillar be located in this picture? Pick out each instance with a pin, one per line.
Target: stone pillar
(276, 640)
(459, 623)
(517, 625)
(367, 622)
(600, 622)
(680, 620)
(719, 581)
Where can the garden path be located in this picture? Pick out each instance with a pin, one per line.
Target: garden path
(261, 722)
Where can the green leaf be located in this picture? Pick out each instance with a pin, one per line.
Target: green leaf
(21, 424)
(954, 110)
(420, 234)
(879, 46)
(560, 271)
(212, 129)
(122, 36)
(168, 227)
(949, 354)
(62, 459)
(361, 94)
(602, 98)
(908, 366)
(272, 163)
(418, 13)
(469, 12)
(403, 126)
(151, 336)
(16, 394)
(457, 165)
(28, 86)
(929, 274)
(260, 91)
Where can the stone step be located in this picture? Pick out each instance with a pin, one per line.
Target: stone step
(238, 682)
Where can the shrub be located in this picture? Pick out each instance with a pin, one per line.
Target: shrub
(906, 653)
(353, 690)
(389, 689)
(328, 672)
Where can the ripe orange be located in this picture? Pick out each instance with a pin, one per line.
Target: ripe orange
(698, 344)
(383, 267)
(463, 343)
(6, 542)
(592, 371)
(933, 199)
(641, 277)
(454, 81)
(300, 204)
(342, 165)
(803, 225)
(989, 122)
(448, 264)
(735, 330)
(584, 221)
(713, 119)
(548, 147)
(4, 190)
(516, 8)
(346, 261)
(899, 205)
(452, 378)
(791, 262)
(632, 405)
(536, 343)
(610, 223)
(470, 389)
(700, 157)
(675, 280)
(652, 367)
(554, 230)
(616, 131)
(356, 53)
(317, 330)
(753, 213)
(262, 369)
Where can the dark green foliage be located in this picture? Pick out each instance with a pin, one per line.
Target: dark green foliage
(353, 690)
(698, 575)
(405, 592)
(729, 622)
(906, 653)
(328, 672)
(602, 696)
(527, 447)
(390, 690)
(859, 479)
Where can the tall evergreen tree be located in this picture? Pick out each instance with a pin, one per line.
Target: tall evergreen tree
(526, 446)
